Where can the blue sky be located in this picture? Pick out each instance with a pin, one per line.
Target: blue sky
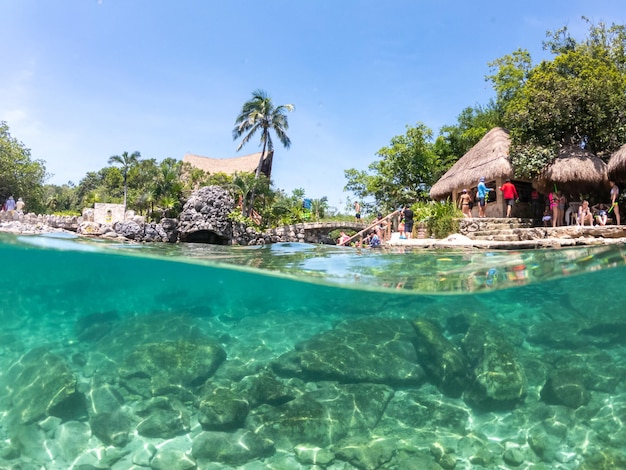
(81, 80)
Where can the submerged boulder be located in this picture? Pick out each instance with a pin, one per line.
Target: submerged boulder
(41, 384)
(322, 417)
(448, 366)
(156, 368)
(566, 387)
(500, 381)
(376, 350)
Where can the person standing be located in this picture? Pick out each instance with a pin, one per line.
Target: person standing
(357, 211)
(482, 192)
(510, 195)
(464, 202)
(614, 194)
(19, 205)
(407, 213)
(10, 205)
(553, 201)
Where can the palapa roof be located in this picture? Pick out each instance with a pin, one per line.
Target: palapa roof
(488, 158)
(617, 164)
(247, 163)
(575, 170)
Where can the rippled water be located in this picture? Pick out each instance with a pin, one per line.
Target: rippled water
(92, 307)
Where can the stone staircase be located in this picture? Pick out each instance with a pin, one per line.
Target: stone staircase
(503, 230)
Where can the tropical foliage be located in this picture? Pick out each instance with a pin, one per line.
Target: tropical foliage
(260, 115)
(20, 175)
(578, 98)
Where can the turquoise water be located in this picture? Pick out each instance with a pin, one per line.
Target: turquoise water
(302, 356)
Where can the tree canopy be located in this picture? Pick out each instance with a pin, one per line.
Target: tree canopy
(20, 175)
(403, 173)
(578, 98)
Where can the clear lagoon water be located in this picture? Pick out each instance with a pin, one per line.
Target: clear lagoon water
(288, 356)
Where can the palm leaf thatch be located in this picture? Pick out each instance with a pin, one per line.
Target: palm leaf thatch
(247, 163)
(488, 158)
(617, 165)
(574, 171)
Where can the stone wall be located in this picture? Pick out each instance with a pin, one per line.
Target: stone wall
(104, 213)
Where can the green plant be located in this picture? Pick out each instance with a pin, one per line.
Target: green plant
(444, 219)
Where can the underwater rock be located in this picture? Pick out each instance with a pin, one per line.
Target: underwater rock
(500, 381)
(366, 453)
(162, 417)
(172, 459)
(73, 438)
(164, 424)
(94, 326)
(323, 416)
(607, 333)
(103, 398)
(374, 350)
(513, 457)
(111, 428)
(222, 410)
(266, 389)
(230, 448)
(312, 455)
(437, 355)
(566, 387)
(557, 335)
(40, 383)
(416, 409)
(173, 363)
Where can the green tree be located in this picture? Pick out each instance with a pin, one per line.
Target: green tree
(319, 207)
(455, 140)
(404, 172)
(20, 175)
(126, 162)
(168, 187)
(578, 98)
(260, 115)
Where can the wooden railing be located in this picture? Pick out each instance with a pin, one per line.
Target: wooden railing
(370, 227)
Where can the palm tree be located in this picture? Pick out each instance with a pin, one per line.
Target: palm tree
(257, 114)
(126, 161)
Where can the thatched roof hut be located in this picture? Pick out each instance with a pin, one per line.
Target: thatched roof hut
(247, 163)
(617, 165)
(488, 158)
(574, 171)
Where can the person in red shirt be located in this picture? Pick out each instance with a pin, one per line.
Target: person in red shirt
(510, 195)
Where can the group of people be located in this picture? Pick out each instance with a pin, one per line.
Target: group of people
(466, 203)
(597, 214)
(11, 205)
(378, 232)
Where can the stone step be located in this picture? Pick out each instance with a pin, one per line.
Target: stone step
(496, 231)
(497, 238)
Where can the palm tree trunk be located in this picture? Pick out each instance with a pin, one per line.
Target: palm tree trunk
(256, 177)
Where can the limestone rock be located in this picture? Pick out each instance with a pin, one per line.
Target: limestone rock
(111, 428)
(222, 410)
(129, 229)
(500, 381)
(41, 384)
(322, 417)
(205, 216)
(566, 387)
(264, 388)
(375, 350)
(437, 355)
(231, 448)
(173, 363)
